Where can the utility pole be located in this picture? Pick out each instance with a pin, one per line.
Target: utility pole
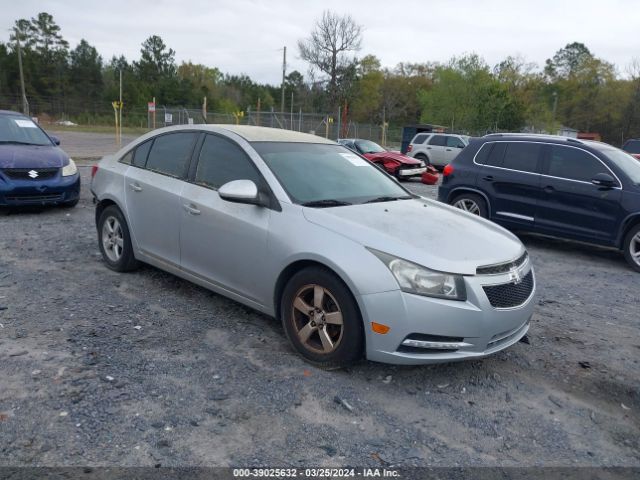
(284, 70)
(120, 113)
(555, 104)
(25, 103)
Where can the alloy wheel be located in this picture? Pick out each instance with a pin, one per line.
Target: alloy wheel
(317, 319)
(112, 239)
(467, 205)
(634, 248)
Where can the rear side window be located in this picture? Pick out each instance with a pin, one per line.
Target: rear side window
(140, 154)
(455, 142)
(170, 153)
(522, 156)
(419, 139)
(127, 158)
(438, 140)
(574, 164)
(495, 155)
(222, 161)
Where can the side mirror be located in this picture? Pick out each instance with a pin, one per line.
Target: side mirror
(460, 146)
(241, 191)
(55, 140)
(604, 180)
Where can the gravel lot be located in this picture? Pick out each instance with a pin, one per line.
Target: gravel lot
(101, 368)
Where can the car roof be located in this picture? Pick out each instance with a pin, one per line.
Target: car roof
(249, 132)
(11, 113)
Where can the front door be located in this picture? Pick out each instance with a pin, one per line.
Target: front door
(220, 241)
(570, 204)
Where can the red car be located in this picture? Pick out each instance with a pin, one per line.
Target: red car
(394, 163)
(632, 147)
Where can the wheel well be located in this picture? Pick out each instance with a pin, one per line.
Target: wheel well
(101, 206)
(421, 155)
(294, 268)
(459, 191)
(628, 225)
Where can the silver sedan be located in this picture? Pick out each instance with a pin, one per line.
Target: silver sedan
(307, 231)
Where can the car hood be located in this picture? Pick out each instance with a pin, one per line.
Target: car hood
(398, 157)
(31, 156)
(422, 231)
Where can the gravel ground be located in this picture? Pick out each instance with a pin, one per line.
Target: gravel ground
(101, 368)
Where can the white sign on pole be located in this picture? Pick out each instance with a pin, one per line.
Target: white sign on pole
(151, 107)
(190, 121)
(168, 118)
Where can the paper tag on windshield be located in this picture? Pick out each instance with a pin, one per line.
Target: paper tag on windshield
(354, 159)
(25, 124)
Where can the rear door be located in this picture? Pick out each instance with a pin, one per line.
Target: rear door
(570, 204)
(511, 179)
(436, 147)
(153, 184)
(221, 241)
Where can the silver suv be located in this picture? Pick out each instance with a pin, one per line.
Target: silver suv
(304, 230)
(438, 149)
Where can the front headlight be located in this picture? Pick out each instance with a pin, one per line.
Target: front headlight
(418, 280)
(69, 169)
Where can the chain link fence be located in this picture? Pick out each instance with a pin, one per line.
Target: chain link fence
(329, 125)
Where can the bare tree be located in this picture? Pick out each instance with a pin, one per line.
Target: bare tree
(326, 48)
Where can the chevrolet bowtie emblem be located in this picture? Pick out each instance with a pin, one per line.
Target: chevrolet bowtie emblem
(514, 276)
(32, 174)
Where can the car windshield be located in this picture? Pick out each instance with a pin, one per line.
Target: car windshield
(632, 146)
(327, 175)
(367, 146)
(625, 162)
(21, 131)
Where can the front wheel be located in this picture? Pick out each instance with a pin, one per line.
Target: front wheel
(472, 203)
(632, 248)
(321, 319)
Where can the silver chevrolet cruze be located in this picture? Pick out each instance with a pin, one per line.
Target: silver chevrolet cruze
(304, 230)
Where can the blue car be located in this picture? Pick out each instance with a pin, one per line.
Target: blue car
(563, 187)
(33, 169)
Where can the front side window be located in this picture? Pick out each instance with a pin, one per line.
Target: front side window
(455, 142)
(170, 153)
(223, 161)
(625, 162)
(311, 172)
(574, 164)
(438, 140)
(522, 156)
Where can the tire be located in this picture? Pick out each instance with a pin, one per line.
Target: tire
(328, 344)
(472, 203)
(70, 204)
(631, 248)
(424, 158)
(117, 251)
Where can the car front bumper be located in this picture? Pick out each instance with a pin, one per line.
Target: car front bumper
(52, 191)
(458, 330)
(411, 172)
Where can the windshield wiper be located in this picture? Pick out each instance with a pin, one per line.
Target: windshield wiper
(387, 199)
(328, 202)
(17, 142)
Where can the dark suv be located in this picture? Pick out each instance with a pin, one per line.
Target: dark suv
(576, 189)
(632, 147)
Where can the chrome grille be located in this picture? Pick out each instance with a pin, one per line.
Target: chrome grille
(503, 267)
(510, 295)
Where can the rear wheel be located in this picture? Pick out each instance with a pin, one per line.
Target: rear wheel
(321, 319)
(472, 203)
(632, 248)
(115, 241)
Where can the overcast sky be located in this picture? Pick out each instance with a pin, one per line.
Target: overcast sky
(247, 36)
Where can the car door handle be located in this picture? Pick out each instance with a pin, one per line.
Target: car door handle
(448, 149)
(428, 148)
(189, 207)
(135, 187)
(549, 189)
(488, 178)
